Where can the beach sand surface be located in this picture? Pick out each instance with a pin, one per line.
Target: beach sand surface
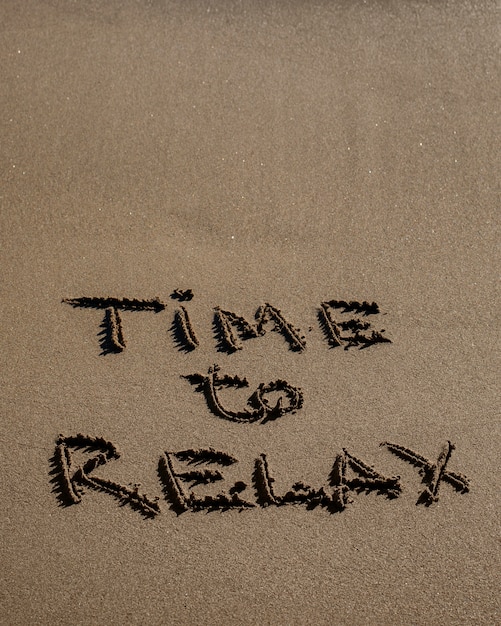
(254, 152)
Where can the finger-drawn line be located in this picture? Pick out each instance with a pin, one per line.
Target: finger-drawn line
(364, 341)
(354, 306)
(354, 325)
(432, 473)
(312, 498)
(125, 304)
(172, 489)
(90, 444)
(112, 333)
(205, 455)
(337, 480)
(183, 331)
(263, 483)
(219, 502)
(67, 491)
(329, 326)
(201, 477)
(125, 495)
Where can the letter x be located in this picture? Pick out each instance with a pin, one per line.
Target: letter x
(433, 473)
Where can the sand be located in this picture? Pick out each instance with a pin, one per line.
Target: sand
(309, 177)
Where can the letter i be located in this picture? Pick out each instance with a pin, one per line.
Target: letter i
(183, 331)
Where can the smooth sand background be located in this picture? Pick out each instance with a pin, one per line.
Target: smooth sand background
(289, 152)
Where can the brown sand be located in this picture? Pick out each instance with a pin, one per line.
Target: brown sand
(290, 153)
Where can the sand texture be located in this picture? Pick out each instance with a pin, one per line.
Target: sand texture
(250, 312)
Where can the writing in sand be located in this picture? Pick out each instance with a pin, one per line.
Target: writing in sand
(181, 472)
(344, 324)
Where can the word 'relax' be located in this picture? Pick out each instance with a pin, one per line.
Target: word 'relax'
(180, 472)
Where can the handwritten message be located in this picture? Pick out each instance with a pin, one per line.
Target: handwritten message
(345, 324)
